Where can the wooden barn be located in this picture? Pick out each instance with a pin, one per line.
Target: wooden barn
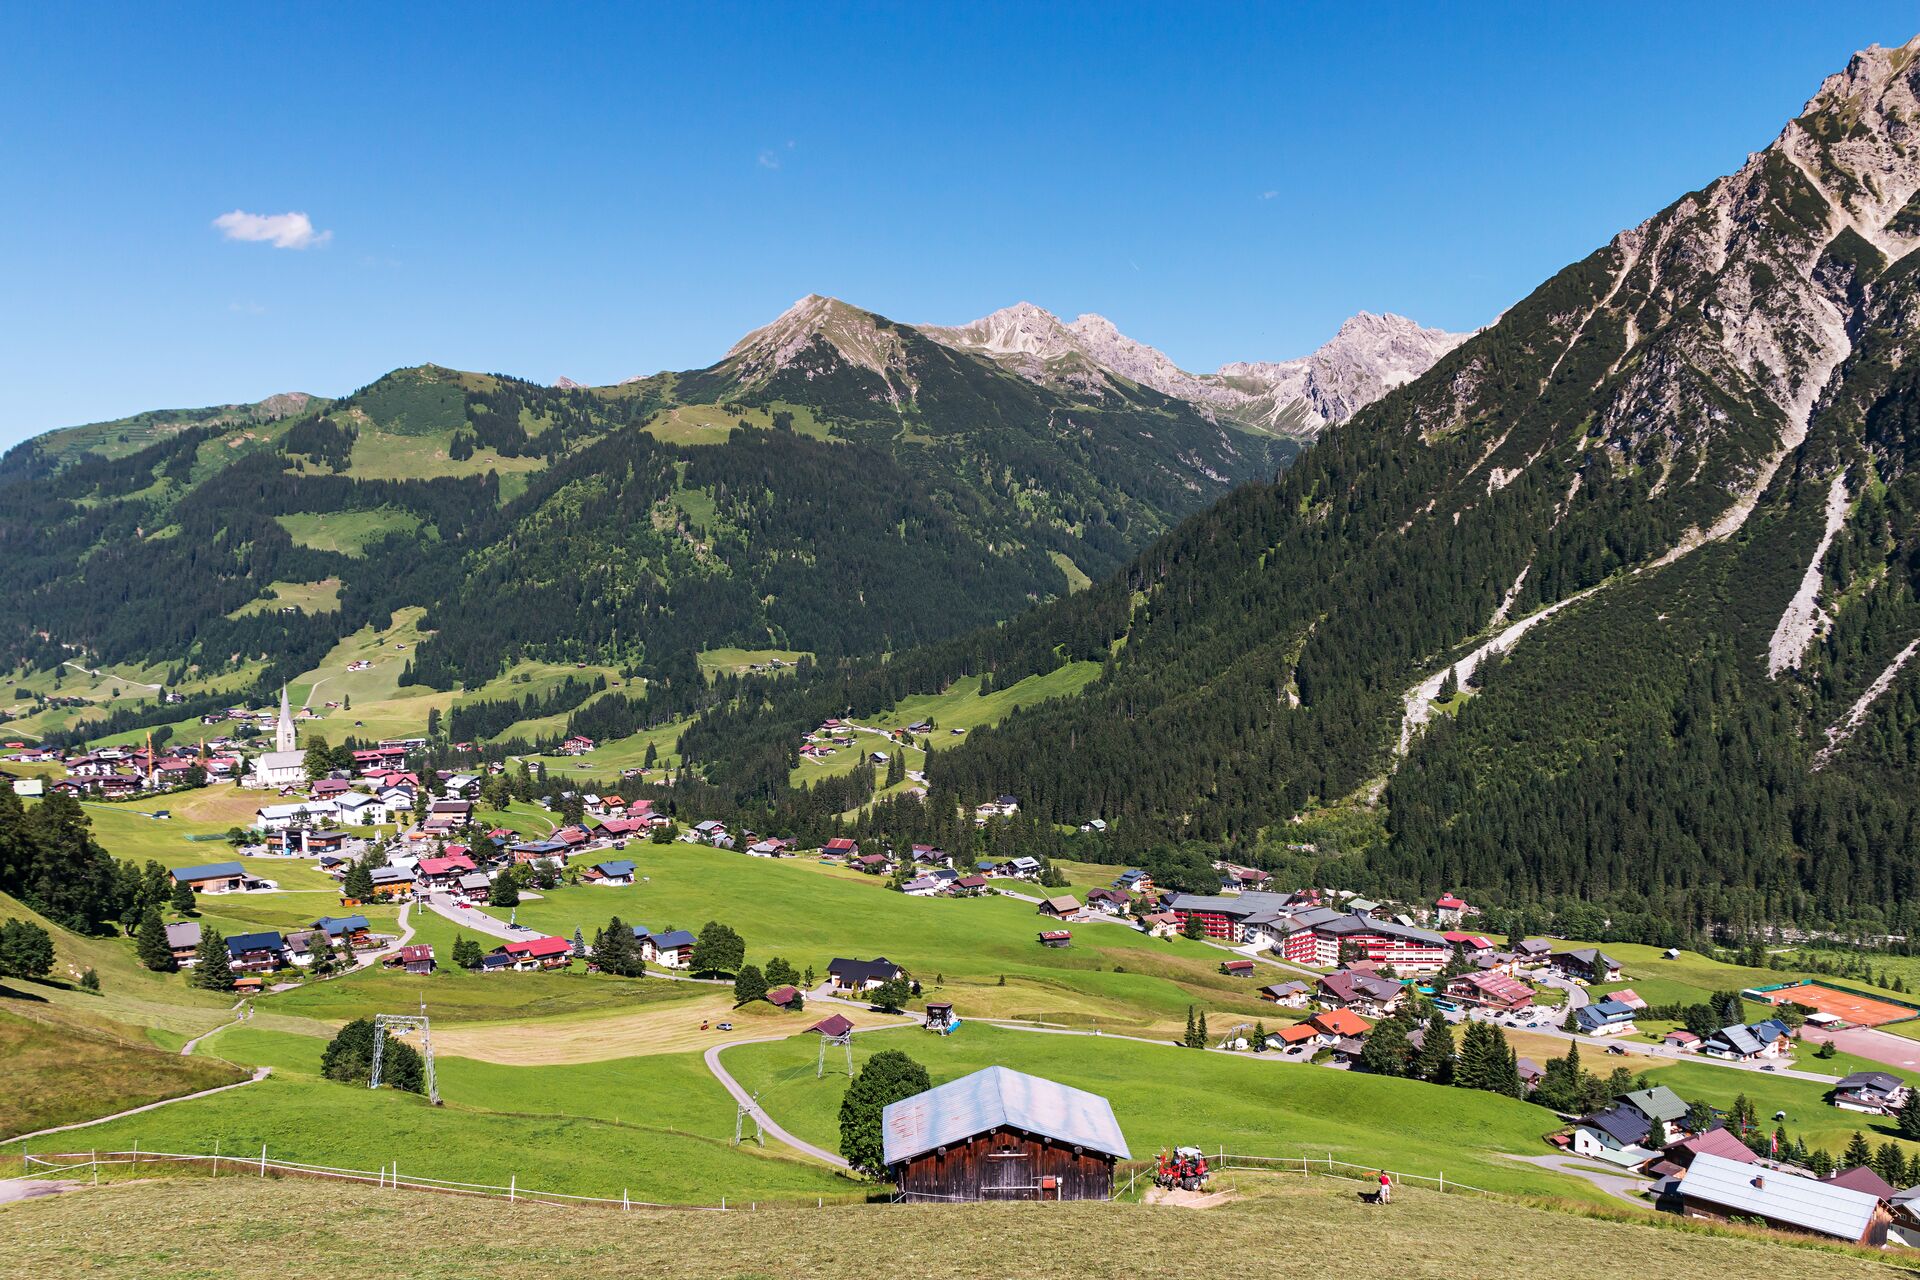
(1002, 1135)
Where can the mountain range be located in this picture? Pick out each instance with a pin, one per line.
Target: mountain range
(1613, 612)
(837, 483)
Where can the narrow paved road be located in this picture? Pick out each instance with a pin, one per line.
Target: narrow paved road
(1866, 1042)
(1623, 1185)
(745, 1099)
(259, 1074)
(442, 905)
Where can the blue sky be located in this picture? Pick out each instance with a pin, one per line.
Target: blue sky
(606, 192)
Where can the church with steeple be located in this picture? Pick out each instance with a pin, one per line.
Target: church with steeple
(286, 764)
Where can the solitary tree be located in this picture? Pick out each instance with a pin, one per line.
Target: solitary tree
(781, 974)
(348, 1058)
(1195, 927)
(749, 985)
(26, 950)
(888, 1076)
(505, 890)
(210, 968)
(891, 995)
(466, 952)
(718, 949)
(183, 900)
(151, 943)
(1386, 1052)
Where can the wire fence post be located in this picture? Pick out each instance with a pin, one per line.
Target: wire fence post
(216, 1157)
(513, 1187)
(263, 1159)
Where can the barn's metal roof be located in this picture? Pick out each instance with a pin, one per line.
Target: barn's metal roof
(995, 1096)
(1779, 1197)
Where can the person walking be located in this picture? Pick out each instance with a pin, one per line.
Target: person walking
(1386, 1188)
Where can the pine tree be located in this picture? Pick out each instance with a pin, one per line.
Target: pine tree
(1188, 1039)
(210, 968)
(749, 985)
(1858, 1152)
(358, 883)
(1200, 1030)
(183, 900)
(1386, 1051)
(151, 943)
(1435, 1062)
(1908, 1117)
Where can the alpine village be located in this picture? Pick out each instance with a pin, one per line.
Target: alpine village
(960, 800)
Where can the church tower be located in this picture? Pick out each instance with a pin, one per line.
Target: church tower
(283, 735)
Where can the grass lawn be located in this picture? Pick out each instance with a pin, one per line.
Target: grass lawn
(1808, 1115)
(1112, 976)
(1165, 1096)
(609, 758)
(731, 661)
(498, 1123)
(57, 1074)
(241, 1228)
(379, 455)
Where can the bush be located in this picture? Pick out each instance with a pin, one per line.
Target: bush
(348, 1058)
(888, 1076)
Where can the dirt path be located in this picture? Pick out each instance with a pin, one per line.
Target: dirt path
(241, 1012)
(15, 1189)
(259, 1074)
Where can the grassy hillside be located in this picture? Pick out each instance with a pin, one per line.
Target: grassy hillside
(238, 1228)
(58, 1073)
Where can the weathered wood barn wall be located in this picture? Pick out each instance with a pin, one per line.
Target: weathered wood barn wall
(1007, 1164)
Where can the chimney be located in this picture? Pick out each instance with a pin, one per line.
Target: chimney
(1759, 1182)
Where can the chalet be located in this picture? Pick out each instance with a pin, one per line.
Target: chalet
(1873, 1092)
(1618, 1136)
(443, 872)
(1056, 938)
(861, 975)
(834, 1024)
(1001, 807)
(1061, 908)
(355, 931)
(329, 788)
(1717, 1141)
(969, 886)
(1237, 968)
(711, 831)
(392, 882)
(616, 873)
(1768, 1039)
(874, 864)
(414, 958)
(358, 809)
(256, 952)
(571, 838)
(1160, 924)
(1533, 950)
(924, 887)
(530, 851)
(670, 950)
(538, 953)
(1336, 1024)
(1664, 1111)
(1448, 909)
(1603, 1018)
(1289, 995)
(1491, 991)
(840, 847)
(1134, 881)
(577, 745)
(1361, 991)
(305, 842)
(1587, 965)
(1108, 902)
(1294, 1035)
(615, 829)
(302, 944)
(1863, 1178)
(786, 998)
(1469, 944)
(1530, 1072)
(1000, 1134)
(1682, 1039)
(214, 877)
(1720, 1189)
(473, 885)
(184, 941)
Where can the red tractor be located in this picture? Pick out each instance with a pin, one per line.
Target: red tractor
(1184, 1170)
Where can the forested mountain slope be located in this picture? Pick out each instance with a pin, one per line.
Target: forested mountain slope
(1662, 521)
(838, 484)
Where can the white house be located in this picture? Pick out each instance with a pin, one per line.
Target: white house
(311, 813)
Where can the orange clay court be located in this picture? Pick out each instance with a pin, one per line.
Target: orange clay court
(1861, 1011)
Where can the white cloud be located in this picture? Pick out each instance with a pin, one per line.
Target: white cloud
(769, 159)
(281, 230)
(1268, 195)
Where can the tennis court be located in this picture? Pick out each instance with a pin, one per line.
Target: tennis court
(1861, 1011)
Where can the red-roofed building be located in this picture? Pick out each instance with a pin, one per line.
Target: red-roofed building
(1339, 1023)
(840, 847)
(446, 871)
(835, 1024)
(784, 997)
(1449, 909)
(414, 958)
(538, 953)
(1472, 943)
(1491, 991)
